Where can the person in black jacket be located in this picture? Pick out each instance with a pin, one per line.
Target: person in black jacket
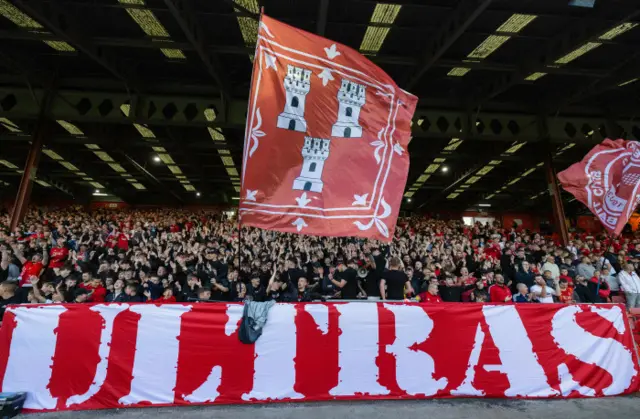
(582, 293)
(190, 291)
(524, 275)
(117, 295)
(131, 290)
(255, 290)
(450, 292)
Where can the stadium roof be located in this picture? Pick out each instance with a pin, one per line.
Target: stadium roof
(502, 84)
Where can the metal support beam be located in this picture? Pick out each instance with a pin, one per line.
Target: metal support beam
(552, 183)
(431, 120)
(587, 29)
(31, 165)
(620, 73)
(51, 16)
(321, 25)
(184, 14)
(464, 15)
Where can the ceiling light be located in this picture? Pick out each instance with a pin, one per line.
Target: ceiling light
(69, 166)
(453, 144)
(535, 76)
(216, 134)
(52, 154)
(104, 156)
(618, 30)
(26, 22)
(628, 82)
(453, 195)
(484, 205)
(515, 147)
(408, 199)
(488, 46)
(117, 167)
(445, 169)
(144, 131)
(375, 35)
(10, 125)
(473, 179)
(166, 158)
(458, 71)
(248, 25)
(516, 23)
(97, 190)
(578, 52)
(8, 164)
(156, 159)
(197, 193)
(485, 170)
(70, 128)
(175, 170)
(175, 54)
(431, 168)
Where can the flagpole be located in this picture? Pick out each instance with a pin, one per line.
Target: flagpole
(246, 133)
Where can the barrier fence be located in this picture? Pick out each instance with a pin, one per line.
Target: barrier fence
(93, 356)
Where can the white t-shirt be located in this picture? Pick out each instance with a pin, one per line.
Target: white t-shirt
(550, 293)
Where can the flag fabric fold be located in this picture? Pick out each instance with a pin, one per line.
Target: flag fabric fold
(607, 180)
(326, 141)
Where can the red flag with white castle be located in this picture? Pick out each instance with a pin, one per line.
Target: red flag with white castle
(325, 149)
(607, 181)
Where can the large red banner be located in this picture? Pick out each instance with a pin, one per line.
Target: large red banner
(70, 357)
(326, 142)
(607, 180)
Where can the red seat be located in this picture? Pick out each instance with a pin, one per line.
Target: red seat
(618, 299)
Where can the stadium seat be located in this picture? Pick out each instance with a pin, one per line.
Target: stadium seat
(618, 299)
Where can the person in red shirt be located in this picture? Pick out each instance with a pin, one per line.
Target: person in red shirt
(499, 292)
(167, 297)
(431, 294)
(566, 292)
(33, 267)
(112, 239)
(58, 255)
(564, 274)
(97, 292)
(123, 241)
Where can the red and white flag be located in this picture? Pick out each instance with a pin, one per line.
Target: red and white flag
(326, 141)
(607, 181)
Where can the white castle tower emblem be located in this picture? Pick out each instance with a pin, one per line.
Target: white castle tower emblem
(315, 151)
(296, 84)
(351, 97)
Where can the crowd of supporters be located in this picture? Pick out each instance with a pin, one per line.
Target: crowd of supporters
(163, 256)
